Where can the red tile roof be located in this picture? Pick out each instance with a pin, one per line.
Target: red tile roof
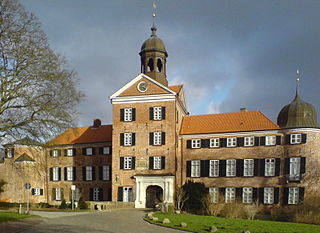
(83, 135)
(176, 88)
(226, 122)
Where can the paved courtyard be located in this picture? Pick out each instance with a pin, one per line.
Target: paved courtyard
(126, 221)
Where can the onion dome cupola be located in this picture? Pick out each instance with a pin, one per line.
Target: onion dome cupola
(154, 58)
(298, 114)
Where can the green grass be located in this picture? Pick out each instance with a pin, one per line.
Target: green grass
(198, 223)
(10, 216)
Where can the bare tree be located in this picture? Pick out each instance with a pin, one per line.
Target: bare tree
(37, 91)
(181, 198)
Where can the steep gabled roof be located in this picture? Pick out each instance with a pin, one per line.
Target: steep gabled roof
(226, 122)
(83, 135)
(176, 88)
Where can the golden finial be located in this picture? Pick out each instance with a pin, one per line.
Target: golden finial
(154, 5)
(298, 79)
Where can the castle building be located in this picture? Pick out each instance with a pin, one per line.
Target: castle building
(154, 146)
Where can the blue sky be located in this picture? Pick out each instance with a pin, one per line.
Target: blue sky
(228, 54)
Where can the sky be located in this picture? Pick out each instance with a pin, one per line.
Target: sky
(228, 54)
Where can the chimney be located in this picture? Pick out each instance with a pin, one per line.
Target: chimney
(243, 110)
(96, 123)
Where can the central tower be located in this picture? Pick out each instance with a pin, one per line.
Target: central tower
(154, 58)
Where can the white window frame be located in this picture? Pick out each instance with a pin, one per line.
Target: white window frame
(127, 139)
(269, 167)
(293, 195)
(89, 151)
(89, 173)
(58, 194)
(295, 138)
(230, 195)
(232, 142)
(157, 162)
(55, 153)
(231, 167)
(271, 140)
(127, 163)
(9, 153)
(248, 167)
(214, 168)
(196, 143)
(214, 142)
(294, 168)
(55, 174)
(249, 141)
(105, 172)
(70, 152)
(268, 195)
(157, 138)
(96, 194)
(195, 168)
(214, 194)
(106, 150)
(127, 112)
(247, 195)
(157, 113)
(70, 173)
(37, 191)
(127, 194)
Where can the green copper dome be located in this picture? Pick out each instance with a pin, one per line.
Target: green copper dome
(298, 114)
(153, 43)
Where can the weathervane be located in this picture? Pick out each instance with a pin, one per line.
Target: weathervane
(297, 80)
(154, 5)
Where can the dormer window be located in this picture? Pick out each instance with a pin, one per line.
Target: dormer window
(9, 152)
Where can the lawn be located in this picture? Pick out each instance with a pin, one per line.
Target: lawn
(10, 216)
(198, 223)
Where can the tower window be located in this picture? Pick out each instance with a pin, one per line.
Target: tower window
(150, 65)
(159, 65)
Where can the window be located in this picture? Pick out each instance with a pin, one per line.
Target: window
(96, 194)
(106, 172)
(89, 151)
(270, 167)
(55, 153)
(294, 172)
(271, 140)
(231, 167)
(127, 114)
(231, 142)
(69, 173)
(248, 166)
(127, 139)
(106, 150)
(268, 196)
(248, 141)
(70, 152)
(89, 172)
(37, 191)
(157, 113)
(157, 162)
(56, 173)
(214, 142)
(157, 138)
(57, 194)
(230, 194)
(127, 163)
(293, 196)
(214, 168)
(214, 194)
(247, 195)
(195, 143)
(195, 168)
(9, 152)
(127, 194)
(295, 138)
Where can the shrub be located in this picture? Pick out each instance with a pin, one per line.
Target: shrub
(195, 192)
(233, 210)
(213, 209)
(253, 209)
(308, 211)
(63, 204)
(82, 204)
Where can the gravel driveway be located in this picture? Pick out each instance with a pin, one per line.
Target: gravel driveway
(126, 221)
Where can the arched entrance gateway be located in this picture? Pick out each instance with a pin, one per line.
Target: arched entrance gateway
(154, 196)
